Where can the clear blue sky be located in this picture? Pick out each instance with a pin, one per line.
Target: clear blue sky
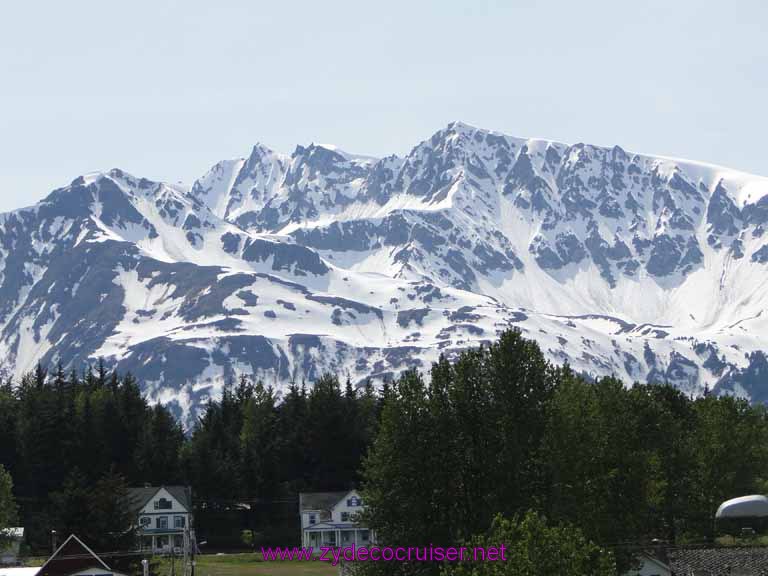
(165, 89)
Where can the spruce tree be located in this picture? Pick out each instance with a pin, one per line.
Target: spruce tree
(259, 443)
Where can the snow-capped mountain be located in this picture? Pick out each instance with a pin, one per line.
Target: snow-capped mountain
(286, 266)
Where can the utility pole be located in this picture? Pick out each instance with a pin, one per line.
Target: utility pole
(192, 546)
(185, 552)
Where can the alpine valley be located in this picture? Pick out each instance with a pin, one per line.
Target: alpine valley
(287, 266)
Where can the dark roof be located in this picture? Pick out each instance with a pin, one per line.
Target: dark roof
(140, 496)
(741, 561)
(71, 557)
(320, 500)
(657, 555)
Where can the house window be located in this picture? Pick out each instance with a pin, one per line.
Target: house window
(163, 504)
(312, 518)
(162, 522)
(364, 535)
(179, 521)
(145, 521)
(354, 501)
(345, 516)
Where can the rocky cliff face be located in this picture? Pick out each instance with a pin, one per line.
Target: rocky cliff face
(286, 266)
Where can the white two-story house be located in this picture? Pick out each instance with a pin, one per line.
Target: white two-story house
(164, 517)
(9, 551)
(331, 519)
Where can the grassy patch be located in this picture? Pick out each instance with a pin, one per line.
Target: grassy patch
(757, 540)
(249, 565)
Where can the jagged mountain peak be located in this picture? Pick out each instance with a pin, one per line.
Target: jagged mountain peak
(119, 194)
(286, 265)
(461, 136)
(261, 149)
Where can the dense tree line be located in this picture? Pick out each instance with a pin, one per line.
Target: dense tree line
(496, 441)
(249, 445)
(501, 430)
(251, 452)
(74, 443)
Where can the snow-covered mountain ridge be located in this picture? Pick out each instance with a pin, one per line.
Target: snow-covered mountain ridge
(285, 266)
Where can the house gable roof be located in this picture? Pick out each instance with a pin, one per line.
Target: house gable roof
(309, 501)
(346, 496)
(141, 496)
(649, 557)
(19, 571)
(71, 557)
(746, 560)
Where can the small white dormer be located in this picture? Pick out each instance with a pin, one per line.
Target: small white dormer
(347, 508)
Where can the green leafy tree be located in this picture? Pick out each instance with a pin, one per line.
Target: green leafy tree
(452, 454)
(8, 509)
(597, 462)
(534, 548)
(406, 502)
(666, 427)
(731, 454)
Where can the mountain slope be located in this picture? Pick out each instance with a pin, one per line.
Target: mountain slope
(288, 265)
